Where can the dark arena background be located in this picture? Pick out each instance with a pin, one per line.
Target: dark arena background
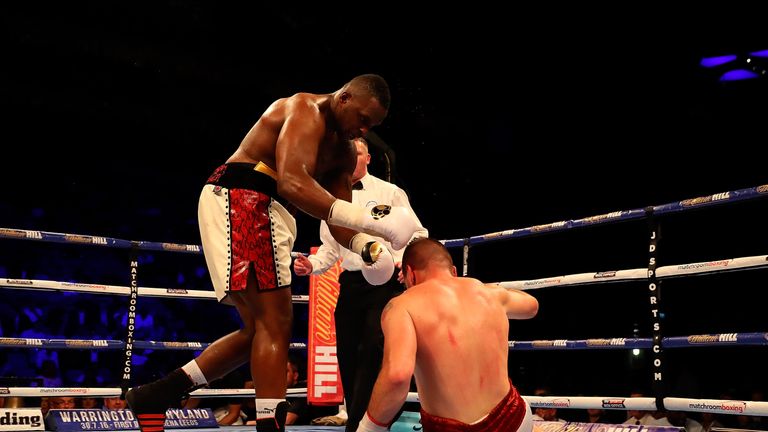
(115, 113)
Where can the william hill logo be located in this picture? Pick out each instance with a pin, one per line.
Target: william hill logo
(607, 342)
(724, 337)
(706, 199)
(602, 217)
(174, 247)
(547, 227)
(6, 232)
(182, 344)
(549, 343)
(77, 238)
(85, 343)
(20, 342)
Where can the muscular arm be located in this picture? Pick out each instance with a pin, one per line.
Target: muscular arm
(519, 304)
(296, 159)
(391, 388)
(339, 185)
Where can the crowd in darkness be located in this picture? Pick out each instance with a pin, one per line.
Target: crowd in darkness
(72, 315)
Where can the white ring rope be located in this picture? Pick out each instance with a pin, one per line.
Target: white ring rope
(717, 266)
(698, 268)
(45, 285)
(116, 391)
(718, 406)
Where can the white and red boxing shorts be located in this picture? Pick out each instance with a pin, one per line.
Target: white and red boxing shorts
(245, 229)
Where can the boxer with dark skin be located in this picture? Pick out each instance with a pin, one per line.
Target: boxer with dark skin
(298, 153)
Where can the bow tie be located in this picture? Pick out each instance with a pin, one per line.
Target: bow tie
(357, 186)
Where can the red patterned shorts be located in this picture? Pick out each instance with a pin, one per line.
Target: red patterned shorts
(245, 229)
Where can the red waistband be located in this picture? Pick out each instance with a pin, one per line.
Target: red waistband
(506, 416)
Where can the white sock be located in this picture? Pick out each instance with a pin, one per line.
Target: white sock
(194, 373)
(265, 408)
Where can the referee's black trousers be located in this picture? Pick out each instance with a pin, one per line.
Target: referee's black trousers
(359, 339)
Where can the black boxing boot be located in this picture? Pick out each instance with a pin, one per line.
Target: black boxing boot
(149, 402)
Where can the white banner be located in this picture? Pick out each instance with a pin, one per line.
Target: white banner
(21, 419)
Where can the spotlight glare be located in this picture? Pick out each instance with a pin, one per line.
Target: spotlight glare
(738, 74)
(709, 62)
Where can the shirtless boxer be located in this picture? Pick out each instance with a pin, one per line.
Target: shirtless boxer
(298, 154)
(452, 334)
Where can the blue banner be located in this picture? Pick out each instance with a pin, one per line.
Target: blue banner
(107, 420)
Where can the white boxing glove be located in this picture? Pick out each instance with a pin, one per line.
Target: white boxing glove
(367, 424)
(396, 224)
(379, 265)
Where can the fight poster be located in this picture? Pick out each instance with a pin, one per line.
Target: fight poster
(323, 379)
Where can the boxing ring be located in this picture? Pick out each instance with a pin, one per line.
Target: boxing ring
(651, 275)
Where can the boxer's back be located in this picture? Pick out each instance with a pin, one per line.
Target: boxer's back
(462, 333)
